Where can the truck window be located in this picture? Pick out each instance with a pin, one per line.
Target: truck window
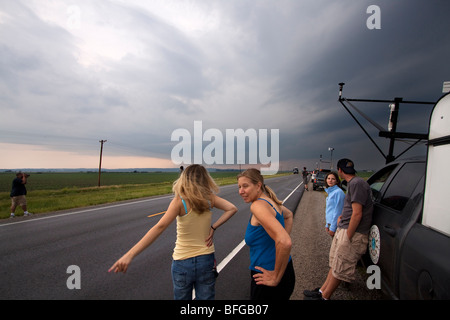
(402, 186)
(377, 181)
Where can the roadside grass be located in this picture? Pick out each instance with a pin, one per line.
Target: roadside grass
(69, 196)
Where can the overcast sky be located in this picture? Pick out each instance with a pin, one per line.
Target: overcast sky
(132, 72)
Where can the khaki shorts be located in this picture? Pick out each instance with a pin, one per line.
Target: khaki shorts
(344, 254)
(18, 201)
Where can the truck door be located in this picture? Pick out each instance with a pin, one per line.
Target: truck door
(391, 214)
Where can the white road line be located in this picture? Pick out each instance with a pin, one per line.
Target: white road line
(230, 256)
(290, 194)
(86, 210)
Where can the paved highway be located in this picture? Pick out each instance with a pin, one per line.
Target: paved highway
(36, 252)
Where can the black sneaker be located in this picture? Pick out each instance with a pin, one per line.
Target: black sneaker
(316, 297)
(312, 293)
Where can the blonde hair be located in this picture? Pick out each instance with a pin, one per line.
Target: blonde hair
(196, 186)
(255, 176)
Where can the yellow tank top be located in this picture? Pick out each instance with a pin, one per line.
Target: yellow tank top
(192, 230)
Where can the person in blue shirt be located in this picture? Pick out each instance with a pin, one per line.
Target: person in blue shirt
(334, 202)
(268, 237)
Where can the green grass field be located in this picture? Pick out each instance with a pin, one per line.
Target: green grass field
(48, 192)
(56, 181)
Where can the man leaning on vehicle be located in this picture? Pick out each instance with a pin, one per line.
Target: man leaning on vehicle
(352, 236)
(18, 193)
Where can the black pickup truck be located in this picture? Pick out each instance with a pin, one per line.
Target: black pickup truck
(410, 236)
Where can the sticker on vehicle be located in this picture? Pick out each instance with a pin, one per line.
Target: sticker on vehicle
(374, 244)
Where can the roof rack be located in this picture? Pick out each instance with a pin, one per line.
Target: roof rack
(391, 133)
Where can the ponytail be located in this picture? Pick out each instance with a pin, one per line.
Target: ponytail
(272, 195)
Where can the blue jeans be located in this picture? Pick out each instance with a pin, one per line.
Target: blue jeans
(198, 273)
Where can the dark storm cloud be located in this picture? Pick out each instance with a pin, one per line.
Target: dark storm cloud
(133, 72)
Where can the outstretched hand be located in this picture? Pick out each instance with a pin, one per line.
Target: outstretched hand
(121, 265)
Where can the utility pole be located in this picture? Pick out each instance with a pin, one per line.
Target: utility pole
(100, 165)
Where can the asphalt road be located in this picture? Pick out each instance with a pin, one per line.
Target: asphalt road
(36, 252)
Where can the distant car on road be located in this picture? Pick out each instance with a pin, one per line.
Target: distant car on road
(295, 170)
(319, 180)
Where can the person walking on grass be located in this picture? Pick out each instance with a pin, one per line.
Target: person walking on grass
(193, 265)
(18, 194)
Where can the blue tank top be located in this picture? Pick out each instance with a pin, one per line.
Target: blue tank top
(262, 246)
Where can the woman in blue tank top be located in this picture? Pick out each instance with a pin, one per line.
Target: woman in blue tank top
(267, 235)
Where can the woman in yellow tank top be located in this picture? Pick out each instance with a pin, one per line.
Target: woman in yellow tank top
(193, 256)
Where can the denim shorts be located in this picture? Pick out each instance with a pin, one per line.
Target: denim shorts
(194, 273)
